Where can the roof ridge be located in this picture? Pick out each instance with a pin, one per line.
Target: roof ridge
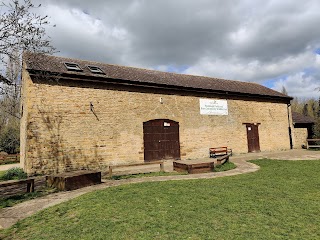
(150, 69)
(51, 63)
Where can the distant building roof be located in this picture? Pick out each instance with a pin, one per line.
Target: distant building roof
(300, 118)
(37, 63)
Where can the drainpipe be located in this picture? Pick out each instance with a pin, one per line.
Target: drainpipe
(290, 133)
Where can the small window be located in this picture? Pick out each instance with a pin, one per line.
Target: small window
(73, 67)
(95, 69)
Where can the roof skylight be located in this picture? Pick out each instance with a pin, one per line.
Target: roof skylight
(73, 66)
(95, 69)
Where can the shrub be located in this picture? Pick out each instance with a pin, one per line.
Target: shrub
(10, 140)
(14, 174)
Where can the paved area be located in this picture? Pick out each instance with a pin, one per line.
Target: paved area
(9, 216)
(8, 166)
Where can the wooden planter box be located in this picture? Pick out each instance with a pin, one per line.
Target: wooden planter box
(193, 167)
(16, 187)
(73, 180)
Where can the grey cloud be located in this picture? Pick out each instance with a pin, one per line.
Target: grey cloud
(246, 40)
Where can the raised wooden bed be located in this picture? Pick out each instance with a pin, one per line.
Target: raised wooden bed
(73, 180)
(112, 167)
(19, 187)
(16, 187)
(193, 167)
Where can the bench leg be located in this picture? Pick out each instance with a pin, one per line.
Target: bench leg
(162, 167)
(30, 186)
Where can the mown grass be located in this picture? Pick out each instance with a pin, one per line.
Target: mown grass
(224, 167)
(2, 173)
(280, 201)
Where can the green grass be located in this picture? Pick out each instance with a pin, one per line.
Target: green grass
(14, 173)
(225, 167)
(280, 201)
(2, 174)
(152, 174)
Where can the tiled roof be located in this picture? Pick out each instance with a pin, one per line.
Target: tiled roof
(300, 118)
(53, 64)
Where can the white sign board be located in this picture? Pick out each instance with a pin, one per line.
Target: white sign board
(166, 124)
(213, 107)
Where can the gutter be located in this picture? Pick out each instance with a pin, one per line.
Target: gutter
(289, 128)
(124, 82)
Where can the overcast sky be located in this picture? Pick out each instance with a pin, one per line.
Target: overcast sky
(272, 42)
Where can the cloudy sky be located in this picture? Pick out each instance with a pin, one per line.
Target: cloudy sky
(272, 42)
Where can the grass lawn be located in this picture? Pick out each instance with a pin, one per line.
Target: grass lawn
(280, 201)
(1, 174)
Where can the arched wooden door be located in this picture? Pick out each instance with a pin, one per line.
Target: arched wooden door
(161, 140)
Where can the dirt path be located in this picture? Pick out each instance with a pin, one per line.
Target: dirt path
(8, 166)
(9, 216)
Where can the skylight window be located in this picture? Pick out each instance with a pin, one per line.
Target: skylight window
(72, 67)
(95, 69)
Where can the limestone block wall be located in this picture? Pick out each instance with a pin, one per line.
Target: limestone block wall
(77, 125)
(299, 137)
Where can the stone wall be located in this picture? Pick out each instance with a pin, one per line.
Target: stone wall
(299, 137)
(60, 132)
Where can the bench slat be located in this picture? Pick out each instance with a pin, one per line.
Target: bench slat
(218, 151)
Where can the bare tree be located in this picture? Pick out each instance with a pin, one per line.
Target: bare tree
(284, 90)
(20, 30)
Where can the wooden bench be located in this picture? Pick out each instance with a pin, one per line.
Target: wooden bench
(111, 167)
(313, 145)
(9, 158)
(219, 151)
(223, 160)
(16, 187)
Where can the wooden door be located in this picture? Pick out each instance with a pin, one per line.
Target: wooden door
(253, 137)
(161, 140)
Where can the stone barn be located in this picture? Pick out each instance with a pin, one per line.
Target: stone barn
(86, 115)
